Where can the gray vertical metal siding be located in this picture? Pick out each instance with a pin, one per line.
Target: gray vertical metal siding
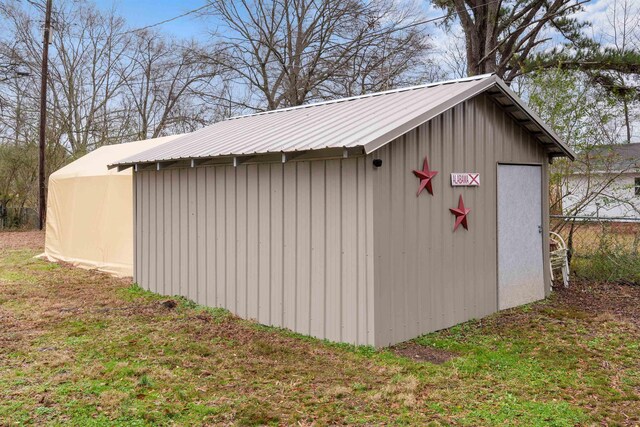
(426, 276)
(289, 245)
(335, 248)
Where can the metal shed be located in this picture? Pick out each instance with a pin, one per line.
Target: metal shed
(337, 219)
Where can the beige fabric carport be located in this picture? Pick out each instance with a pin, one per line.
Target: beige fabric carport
(90, 211)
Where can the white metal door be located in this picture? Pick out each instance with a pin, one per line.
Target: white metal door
(520, 262)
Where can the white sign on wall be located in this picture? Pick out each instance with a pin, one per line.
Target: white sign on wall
(465, 179)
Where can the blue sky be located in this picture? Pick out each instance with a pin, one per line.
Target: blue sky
(139, 13)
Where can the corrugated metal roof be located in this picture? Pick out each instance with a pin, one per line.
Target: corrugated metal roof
(367, 121)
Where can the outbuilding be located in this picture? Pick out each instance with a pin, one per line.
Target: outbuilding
(367, 220)
(90, 210)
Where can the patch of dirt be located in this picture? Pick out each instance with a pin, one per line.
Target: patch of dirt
(620, 300)
(170, 304)
(22, 240)
(422, 353)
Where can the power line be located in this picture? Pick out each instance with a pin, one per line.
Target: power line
(312, 52)
(297, 55)
(134, 80)
(146, 27)
(343, 44)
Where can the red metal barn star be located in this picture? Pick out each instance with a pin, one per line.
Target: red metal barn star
(461, 214)
(425, 176)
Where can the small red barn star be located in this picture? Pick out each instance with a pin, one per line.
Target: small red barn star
(461, 214)
(425, 176)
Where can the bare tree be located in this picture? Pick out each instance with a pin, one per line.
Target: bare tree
(89, 48)
(19, 145)
(288, 52)
(86, 49)
(453, 56)
(108, 84)
(387, 61)
(166, 85)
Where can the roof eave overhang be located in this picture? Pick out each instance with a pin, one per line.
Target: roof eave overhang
(245, 158)
(561, 148)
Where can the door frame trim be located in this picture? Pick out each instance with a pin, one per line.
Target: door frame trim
(498, 164)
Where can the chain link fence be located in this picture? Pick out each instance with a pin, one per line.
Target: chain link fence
(18, 218)
(601, 249)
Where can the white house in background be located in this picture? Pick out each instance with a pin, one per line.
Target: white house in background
(608, 186)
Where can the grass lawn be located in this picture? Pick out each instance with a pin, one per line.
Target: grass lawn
(81, 348)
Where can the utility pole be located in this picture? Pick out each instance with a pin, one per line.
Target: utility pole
(43, 115)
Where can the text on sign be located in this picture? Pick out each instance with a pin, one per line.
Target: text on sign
(465, 179)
